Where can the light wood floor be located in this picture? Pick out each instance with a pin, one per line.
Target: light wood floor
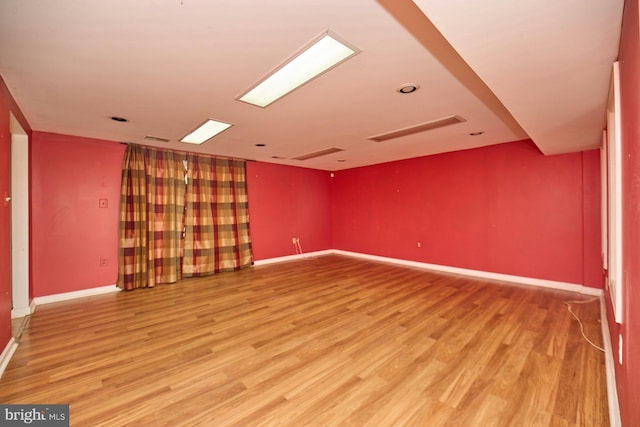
(321, 342)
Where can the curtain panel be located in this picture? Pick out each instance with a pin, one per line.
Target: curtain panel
(181, 215)
(217, 217)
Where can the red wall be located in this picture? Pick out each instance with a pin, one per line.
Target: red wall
(5, 220)
(287, 202)
(485, 209)
(505, 209)
(628, 375)
(7, 105)
(591, 217)
(70, 233)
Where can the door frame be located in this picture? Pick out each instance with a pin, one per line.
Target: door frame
(19, 217)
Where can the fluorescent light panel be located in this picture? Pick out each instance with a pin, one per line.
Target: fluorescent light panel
(206, 131)
(318, 58)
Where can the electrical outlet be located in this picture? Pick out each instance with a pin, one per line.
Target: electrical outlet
(293, 240)
(103, 262)
(419, 244)
(103, 203)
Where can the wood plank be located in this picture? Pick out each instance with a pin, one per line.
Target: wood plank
(323, 341)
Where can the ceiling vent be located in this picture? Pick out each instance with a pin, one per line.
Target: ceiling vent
(423, 127)
(320, 153)
(156, 138)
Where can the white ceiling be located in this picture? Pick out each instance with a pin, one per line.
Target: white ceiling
(513, 69)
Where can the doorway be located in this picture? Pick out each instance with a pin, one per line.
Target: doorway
(19, 223)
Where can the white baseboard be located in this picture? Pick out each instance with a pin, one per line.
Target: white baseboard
(6, 355)
(75, 294)
(610, 369)
(614, 410)
(292, 257)
(21, 312)
(612, 391)
(564, 286)
(12, 345)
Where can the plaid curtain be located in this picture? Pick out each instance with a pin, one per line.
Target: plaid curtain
(217, 217)
(174, 223)
(151, 217)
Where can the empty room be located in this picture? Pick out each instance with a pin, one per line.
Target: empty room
(362, 213)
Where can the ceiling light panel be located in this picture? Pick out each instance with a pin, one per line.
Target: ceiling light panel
(206, 131)
(321, 56)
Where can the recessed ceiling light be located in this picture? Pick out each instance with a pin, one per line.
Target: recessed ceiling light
(480, 132)
(118, 119)
(319, 57)
(408, 88)
(206, 131)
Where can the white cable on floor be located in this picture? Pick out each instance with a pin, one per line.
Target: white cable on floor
(568, 303)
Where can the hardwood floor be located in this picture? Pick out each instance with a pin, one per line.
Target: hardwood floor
(319, 342)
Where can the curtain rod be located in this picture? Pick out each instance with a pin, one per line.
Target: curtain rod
(189, 152)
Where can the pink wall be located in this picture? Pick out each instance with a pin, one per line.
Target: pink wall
(70, 233)
(505, 209)
(287, 202)
(628, 375)
(485, 209)
(591, 216)
(7, 104)
(5, 219)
